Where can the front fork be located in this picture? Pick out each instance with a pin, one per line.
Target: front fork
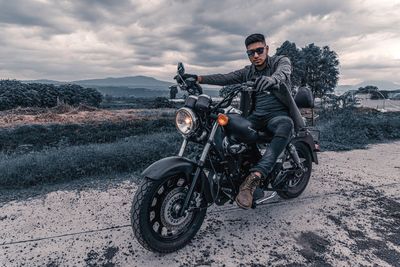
(200, 165)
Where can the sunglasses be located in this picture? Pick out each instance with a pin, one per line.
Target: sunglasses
(252, 52)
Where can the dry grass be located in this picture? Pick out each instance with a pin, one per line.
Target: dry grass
(65, 114)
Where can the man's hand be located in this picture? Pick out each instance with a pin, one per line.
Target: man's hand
(265, 83)
(188, 78)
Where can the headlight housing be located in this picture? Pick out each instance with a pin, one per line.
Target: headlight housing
(186, 121)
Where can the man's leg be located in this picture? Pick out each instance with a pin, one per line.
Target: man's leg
(281, 127)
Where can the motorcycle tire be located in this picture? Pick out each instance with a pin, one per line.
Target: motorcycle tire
(151, 206)
(295, 190)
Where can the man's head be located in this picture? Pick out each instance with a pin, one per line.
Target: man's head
(257, 49)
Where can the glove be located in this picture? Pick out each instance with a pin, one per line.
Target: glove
(188, 78)
(265, 83)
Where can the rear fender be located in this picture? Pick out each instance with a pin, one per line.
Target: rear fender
(307, 139)
(171, 166)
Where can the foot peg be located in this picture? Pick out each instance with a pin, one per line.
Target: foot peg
(258, 194)
(259, 201)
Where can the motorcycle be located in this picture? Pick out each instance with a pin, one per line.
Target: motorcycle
(172, 199)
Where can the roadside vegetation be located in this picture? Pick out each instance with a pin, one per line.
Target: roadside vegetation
(36, 137)
(71, 143)
(17, 94)
(352, 128)
(74, 162)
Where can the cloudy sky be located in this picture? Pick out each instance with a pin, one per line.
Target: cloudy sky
(80, 39)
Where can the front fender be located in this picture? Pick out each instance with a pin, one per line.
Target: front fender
(171, 166)
(168, 167)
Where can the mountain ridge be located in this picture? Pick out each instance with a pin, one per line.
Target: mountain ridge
(382, 85)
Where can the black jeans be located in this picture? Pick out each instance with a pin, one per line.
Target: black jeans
(281, 127)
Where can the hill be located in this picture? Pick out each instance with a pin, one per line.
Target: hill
(131, 82)
(137, 86)
(382, 85)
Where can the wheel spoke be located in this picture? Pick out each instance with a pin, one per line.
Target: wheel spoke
(154, 202)
(170, 183)
(161, 190)
(152, 215)
(156, 227)
(164, 231)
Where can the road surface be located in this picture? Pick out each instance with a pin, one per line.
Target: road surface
(348, 216)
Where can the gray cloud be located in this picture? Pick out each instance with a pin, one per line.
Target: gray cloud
(70, 40)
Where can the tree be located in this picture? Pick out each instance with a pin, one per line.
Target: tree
(313, 66)
(321, 71)
(329, 70)
(294, 54)
(367, 89)
(373, 91)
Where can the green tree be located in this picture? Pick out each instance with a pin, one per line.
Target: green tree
(294, 54)
(321, 69)
(329, 70)
(367, 89)
(373, 91)
(312, 73)
(313, 66)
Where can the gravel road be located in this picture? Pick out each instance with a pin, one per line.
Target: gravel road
(348, 216)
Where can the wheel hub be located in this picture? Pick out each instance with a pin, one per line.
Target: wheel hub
(171, 207)
(298, 175)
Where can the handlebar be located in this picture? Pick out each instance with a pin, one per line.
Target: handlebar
(234, 91)
(226, 101)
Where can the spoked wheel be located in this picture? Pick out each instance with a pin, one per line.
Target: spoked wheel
(155, 214)
(297, 182)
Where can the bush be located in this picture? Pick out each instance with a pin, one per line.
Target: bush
(351, 128)
(16, 94)
(64, 164)
(38, 137)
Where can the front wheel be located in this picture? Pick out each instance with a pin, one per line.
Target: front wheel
(155, 214)
(296, 183)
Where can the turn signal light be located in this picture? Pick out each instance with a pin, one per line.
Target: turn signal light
(222, 120)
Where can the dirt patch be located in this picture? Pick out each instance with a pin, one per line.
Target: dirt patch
(94, 258)
(314, 248)
(384, 222)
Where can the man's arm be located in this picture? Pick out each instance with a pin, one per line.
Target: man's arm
(234, 77)
(283, 71)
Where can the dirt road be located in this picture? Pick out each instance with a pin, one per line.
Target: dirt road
(348, 216)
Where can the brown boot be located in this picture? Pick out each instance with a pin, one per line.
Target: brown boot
(245, 197)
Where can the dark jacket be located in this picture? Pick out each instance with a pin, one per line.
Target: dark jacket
(278, 67)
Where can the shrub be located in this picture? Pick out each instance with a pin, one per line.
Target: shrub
(38, 137)
(64, 164)
(351, 128)
(16, 94)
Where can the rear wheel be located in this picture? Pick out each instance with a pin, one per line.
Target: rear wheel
(155, 217)
(296, 183)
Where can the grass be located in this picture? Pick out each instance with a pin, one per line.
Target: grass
(91, 155)
(36, 137)
(348, 129)
(69, 163)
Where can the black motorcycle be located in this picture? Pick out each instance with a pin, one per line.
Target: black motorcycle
(172, 199)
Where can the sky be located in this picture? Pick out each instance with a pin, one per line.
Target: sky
(84, 39)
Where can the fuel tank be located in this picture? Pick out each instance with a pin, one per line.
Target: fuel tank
(240, 129)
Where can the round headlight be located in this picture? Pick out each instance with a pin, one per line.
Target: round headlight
(186, 121)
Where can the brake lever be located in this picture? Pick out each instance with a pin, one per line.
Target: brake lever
(183, 80)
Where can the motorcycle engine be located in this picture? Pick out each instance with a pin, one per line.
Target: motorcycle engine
(231, 148)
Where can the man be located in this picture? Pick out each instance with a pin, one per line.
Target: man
(271, 107)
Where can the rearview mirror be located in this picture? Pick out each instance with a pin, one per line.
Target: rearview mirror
(181, 69)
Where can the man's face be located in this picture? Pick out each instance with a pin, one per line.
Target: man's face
(258, 59)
